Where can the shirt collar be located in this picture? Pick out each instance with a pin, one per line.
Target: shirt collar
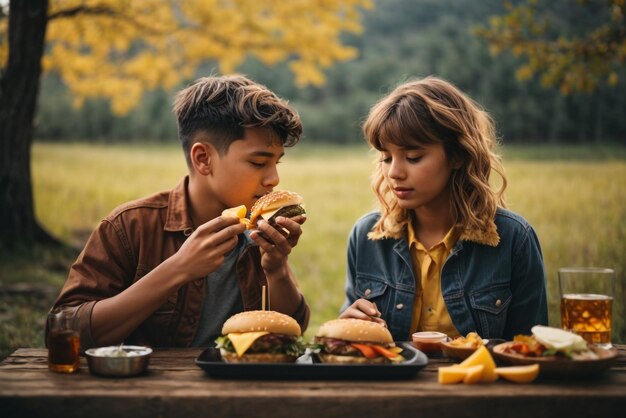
(452, 236)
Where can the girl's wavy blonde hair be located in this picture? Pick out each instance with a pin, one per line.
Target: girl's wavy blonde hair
(432, 110)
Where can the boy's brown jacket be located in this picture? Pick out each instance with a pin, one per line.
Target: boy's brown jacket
(128, 244)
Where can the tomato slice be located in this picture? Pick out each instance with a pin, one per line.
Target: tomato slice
(367, 350)
(384, 352)
(372, 351)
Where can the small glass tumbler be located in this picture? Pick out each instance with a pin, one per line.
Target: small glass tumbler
(63, 343)
(587, 303)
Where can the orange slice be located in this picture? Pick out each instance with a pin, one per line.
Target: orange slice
(482, 356)
(474, 374)
(238, 212)
(451, 374)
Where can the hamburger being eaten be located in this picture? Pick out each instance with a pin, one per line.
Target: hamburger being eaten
(274, 204)
(268, 208)
(356, 341)
(260, 337)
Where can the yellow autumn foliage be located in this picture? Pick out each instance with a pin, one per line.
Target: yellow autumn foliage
(571, 62)
(118, 49)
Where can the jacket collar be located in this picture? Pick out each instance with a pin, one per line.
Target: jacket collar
(488, 236)
(177, 218)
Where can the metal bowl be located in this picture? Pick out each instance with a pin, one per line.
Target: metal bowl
(118, 361)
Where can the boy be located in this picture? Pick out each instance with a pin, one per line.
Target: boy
(168, 270)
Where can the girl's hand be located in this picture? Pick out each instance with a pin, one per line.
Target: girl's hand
(364, 309)
(276, 242)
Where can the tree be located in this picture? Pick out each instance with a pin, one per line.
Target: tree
(119, 49)
(580, 60)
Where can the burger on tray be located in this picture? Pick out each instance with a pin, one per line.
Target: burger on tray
(356, 341)
(260, 337)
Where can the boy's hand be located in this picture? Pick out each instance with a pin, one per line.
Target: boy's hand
(203, 252)
(363, 309)
(276, 243)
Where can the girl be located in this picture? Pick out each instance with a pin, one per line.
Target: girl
(442, 253)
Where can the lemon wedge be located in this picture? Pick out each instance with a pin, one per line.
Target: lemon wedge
(519, 374)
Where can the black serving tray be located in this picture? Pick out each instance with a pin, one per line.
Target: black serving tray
(309, 368)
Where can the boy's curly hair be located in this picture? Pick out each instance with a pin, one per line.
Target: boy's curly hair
(223, 106)
(432, 110)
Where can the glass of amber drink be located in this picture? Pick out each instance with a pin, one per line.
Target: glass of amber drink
(63, 343)
(587, 303)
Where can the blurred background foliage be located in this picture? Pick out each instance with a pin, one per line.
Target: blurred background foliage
(412, 38)
(550, 72)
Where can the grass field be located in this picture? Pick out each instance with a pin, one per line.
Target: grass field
(576, 202)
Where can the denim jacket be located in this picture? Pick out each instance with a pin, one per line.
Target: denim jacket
(497, 290)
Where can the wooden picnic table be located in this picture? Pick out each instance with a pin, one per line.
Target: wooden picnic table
(175, 386)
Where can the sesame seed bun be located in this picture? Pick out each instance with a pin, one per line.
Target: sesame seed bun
(271, 321)
(355, 330)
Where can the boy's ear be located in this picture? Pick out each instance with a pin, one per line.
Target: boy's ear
(202, 155)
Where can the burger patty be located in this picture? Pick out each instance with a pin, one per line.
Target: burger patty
(288, 212)
(343, 347)
(269, 342)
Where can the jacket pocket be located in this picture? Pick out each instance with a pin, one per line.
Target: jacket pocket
(375, 290)
(490, 307)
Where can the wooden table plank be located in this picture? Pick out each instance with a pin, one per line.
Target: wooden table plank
(174, 386)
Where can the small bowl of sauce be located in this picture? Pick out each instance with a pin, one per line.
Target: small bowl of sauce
(429, 342)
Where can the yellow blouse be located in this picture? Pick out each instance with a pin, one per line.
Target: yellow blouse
(429, 310)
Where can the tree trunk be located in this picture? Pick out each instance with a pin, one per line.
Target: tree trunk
(19, 86)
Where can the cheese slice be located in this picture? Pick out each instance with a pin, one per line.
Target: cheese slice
(243, 340)
(268, 215)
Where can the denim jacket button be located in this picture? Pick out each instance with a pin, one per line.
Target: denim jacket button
(368, 292)
(399, 306)
(498, 302)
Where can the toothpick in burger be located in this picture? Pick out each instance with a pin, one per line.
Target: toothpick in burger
(260, 337)
(358, 341)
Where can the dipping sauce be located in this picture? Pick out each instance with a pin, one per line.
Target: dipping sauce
(429, 342)
(119, 351)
